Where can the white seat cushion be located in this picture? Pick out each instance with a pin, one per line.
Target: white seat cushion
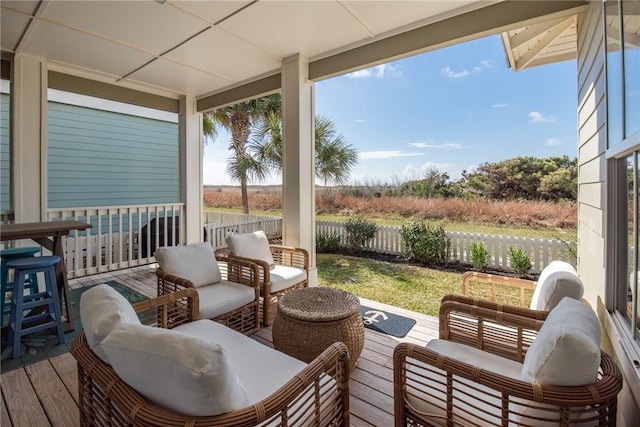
(223, 297)
(195, 262)
(260, 369)
(283, 277)
(102, 309)
(566, 351)
(557, 280)
(181, 372)
(430, 392)
(251, 245)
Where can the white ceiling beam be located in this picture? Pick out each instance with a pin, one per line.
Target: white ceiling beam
(530, 32)
(31, 26)
(543, 43)
(506, 47)
(482, 22)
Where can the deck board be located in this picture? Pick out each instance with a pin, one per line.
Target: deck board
(22, 402)
(5, 420)
(46, 393)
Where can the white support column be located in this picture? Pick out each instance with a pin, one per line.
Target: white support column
(190, 143)
(29, 138)
(298, 205)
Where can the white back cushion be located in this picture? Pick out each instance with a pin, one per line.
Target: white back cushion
(102, 309)
(557, 280)
(177, 371)
(251, 245)
(195, 262)
(566, 351)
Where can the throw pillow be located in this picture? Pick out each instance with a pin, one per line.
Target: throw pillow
(557, 280)
(195, 262)
(102, 309)
(566, 351)
(180, 372)
(251, 245)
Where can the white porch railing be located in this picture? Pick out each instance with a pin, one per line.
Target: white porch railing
(120, 237)
(218, 225)
(127, 236)
(540, 251)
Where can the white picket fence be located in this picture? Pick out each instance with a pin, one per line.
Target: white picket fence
(219, 225)
(541, 251)
(115, 240)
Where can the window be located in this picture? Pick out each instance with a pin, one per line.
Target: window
(623, 132)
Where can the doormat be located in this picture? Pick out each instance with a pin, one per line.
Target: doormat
(383, 321)
(44, 344)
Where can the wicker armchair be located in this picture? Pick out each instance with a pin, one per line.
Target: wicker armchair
(557, 280)
(318, 395)
(433, 387)
(289, 270)
(241, 314)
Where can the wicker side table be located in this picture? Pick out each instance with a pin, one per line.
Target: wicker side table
(309, 320)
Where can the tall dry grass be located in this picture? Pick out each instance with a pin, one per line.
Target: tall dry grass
(528, 213)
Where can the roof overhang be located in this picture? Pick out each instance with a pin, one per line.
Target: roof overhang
(541, 43)
(221, 52)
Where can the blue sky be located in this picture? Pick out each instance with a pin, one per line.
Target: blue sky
(452, 109)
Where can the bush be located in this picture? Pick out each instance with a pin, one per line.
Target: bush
(424, 243)
(327, 242)
(520, 262)
(359, 232)
(479, 255)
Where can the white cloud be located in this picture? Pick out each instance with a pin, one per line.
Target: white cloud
(360, 120)
(538, 117)
(444, 146)
(553, 142)
(500, 105)
(215, 173)
(379, 71)
(366, 155)
(451, 74)
(414, 172)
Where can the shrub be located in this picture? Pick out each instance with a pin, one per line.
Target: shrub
(327, 242)
(520, 262)
(479, 255)
(424, 243)
(359, 232)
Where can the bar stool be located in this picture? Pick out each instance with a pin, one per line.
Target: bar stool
(11, 254)
(20, 325)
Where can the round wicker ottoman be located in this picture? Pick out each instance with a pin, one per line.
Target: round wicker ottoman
(309, 320)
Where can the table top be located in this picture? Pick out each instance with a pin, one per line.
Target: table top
(27, 230)
(319, 304)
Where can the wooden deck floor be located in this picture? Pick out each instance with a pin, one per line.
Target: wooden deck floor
(46, 393)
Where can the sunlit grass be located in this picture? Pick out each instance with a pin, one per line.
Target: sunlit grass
(413, 288)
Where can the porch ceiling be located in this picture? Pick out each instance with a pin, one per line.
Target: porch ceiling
(198, 48)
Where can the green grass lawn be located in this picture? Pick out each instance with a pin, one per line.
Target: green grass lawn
(413, 288)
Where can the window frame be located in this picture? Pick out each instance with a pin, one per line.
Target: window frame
(617, 221)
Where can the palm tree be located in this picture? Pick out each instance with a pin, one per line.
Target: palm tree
(334, 158)
(238, 119)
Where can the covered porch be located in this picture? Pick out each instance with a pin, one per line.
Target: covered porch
(46, 393)
(186, 58)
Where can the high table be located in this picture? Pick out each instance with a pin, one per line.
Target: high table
(49, 234)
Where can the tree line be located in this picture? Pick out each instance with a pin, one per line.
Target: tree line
(519, 178)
